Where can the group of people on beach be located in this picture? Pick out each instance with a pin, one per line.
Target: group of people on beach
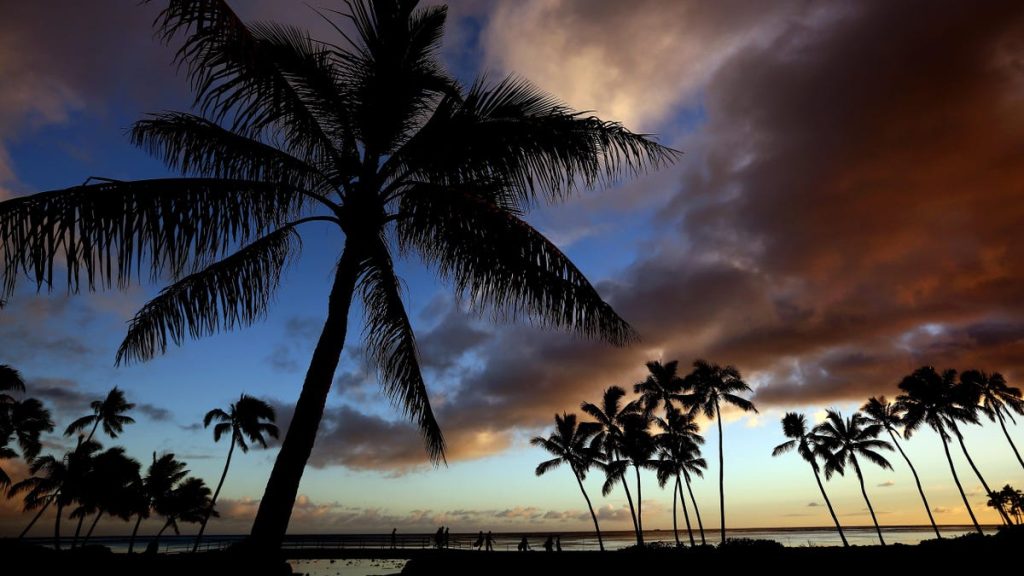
(552, 543)
(442, 540)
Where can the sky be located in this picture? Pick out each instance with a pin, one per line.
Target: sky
(847, 208)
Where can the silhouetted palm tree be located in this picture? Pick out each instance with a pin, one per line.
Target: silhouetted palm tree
(112, 477)
(569, 443)
(609, 416)
(636, 447)
(22, 422)
(997, 399)
(888, 415)
(110, 412)
(928, 399)
(162, 476)
(846, 440)
(805, 442)
(707, 387)
(10, 381)
(368, 135)
(189, 501)
(249, 418)
(678, 455)
(661, 387)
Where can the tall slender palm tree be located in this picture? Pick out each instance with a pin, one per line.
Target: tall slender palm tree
(569, 443)
(998, 400)
(109, 412)
(888, 415)
(609, 416)
(706, 388)
(805, 442)
(249, 419)
(928, 399)
(678, 454)
(846, 440)
(636, 447)
(368, 135)
(693, 463)
(162, 476)
(22, 422)
(661, 387)
(42, 488)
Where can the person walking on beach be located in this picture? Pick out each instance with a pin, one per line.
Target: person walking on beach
(439, 537)
(394, 538)
(479, 540)
(489, 542)
(446, 535)
(558, 543)
(524, 546)
(549, 544)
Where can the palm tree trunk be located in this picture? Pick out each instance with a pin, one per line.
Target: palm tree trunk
(135, 531)
(275, 509)
(988, 491)
(36, 517)
(56, 526)
(696, 510)
(92, 526)
(78, 530)
(1002, 425)
(817, 478)
(860, 478)
(721, 470)
(629, 499)
(917, 480)
(639, 509)
(675, 523)
(686, 514)
(600, 541)
(93, 431)
(952, 468)
(209, 510)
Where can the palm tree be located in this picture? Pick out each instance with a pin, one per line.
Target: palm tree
(679, 455)
(928, 398)
(113, 475)
(888, 415)
(368, 135)
(42, 488)
(609, 416)
(161, 478)
(10, 381)
(805, 442)
(707, 387)
(189, 502)
(569, 443)
(109, 412)
(997, 399)
(22, 422)
(636, 446)
(846, 440)
(661, 387)
(249, 418)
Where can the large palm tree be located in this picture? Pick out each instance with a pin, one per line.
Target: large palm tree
(706, 388)
(109, 412)
(22, 422)
(661, 387)
(162, 476)
(845, 440)
(636, 447)
(189, 502)
(113, 475)
(805, 442)
(609, 416)
(889, 415)
(248, 421)
(998, 400)
(367, 135)
(928, 399)
(569, 443)
(679, 455)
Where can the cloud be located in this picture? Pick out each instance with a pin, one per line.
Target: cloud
(887, 484)
(942, 510)
(813, 504)
(282, 359)
(154, 413)
(62, 394)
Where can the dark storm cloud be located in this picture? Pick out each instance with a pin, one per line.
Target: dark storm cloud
(153, 412)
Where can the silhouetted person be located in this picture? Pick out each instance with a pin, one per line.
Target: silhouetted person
(394, 538)
(524, 546)
(446, 534)
(479, 540)
(439, 537)
(549, 544)
(489, 542)
(558, 543)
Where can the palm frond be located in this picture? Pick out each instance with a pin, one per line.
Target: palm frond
(233, 292)
(547, 465)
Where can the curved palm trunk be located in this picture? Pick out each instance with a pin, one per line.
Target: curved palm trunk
(56, 526)
(675, 523)
(629, 499)
(917, 481)
(963, 447)
(860, 478)
(696, 510)
(1002, 425)
(956, 478)
(135, 531)
(275, 509)
(78, 531)
(92, 526)
(34, 519)
(686, 514)
(600, 541)
(817, 478)
(93, 431)
(721, 470)
(213, 501)
(639, 509)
